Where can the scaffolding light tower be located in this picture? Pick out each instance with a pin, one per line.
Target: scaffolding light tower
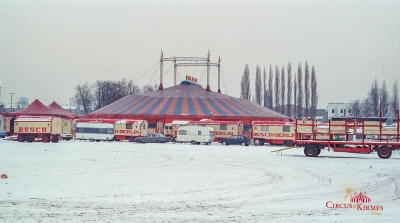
(205, 63)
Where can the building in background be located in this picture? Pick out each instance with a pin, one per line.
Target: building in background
(338, 110)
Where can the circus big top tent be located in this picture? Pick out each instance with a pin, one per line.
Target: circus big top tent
(186, 101)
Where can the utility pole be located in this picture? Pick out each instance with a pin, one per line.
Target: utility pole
(11, 101)
(70, 104)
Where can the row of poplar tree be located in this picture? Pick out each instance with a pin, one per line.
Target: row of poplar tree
(283, 92)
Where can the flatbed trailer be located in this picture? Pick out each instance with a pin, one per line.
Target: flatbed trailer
(351, 136)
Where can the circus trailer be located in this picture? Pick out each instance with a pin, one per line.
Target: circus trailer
(2, 133)
(273, 132)
(222, 129)
(157, 127)
(368, 137)
(41, 128)
(195, 134)
(8, 126)
(130, 129)
(94, 131)
(171, 129)
(68, 129)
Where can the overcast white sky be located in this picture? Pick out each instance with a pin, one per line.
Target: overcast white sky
(49, 47)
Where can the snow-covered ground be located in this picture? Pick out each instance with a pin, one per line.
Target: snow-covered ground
(74, 181)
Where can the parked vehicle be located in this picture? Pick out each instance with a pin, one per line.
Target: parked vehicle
(68, 129)
(369, 136)
(273, 132)
(130, 129)
(153, 138)
(236, 140)
(222, 129)
(94, 131)
(41, 128)
(2, 134)
(195, 134)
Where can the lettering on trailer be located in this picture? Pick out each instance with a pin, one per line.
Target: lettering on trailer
(284, 135)
(135, 132)
(32, 129)
(224, 133)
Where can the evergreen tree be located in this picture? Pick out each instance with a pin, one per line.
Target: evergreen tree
(299, 92)
(289, 91)
(245, 84)
(277, 90)
(258, 86)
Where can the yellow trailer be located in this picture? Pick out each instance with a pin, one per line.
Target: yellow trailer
(41, 128)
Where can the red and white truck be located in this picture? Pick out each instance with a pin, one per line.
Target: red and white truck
(40, 128)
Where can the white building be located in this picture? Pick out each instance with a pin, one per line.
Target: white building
(339, 110)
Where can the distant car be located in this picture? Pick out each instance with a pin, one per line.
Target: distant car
(236, 140)
(153, 138)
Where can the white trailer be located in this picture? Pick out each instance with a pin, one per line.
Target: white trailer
(195, 134)
(94, 131)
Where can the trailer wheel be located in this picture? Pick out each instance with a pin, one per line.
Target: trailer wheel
(46, 138)
(21, 138)
(193, 142)
(54, 139)
(289, 143)
(384, 152)
(310, 150)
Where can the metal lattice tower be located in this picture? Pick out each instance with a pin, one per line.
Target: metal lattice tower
(188, 61)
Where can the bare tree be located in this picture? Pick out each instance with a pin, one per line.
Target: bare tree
(265, 89)
(374, 96)
(245, 84)
(366, 106)
(384, 101)
(306, 90)
(289, 91)
(395, 99)
(148, 88)
(299, 92)
(277, 86)
(356, 108)
(314, 95)
(283, 89)
(258, 86)
(270, 89)
(83, 97)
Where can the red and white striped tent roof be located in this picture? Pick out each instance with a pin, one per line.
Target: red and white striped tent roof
(186, 101)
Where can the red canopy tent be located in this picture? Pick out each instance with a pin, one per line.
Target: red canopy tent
(35, 108)
(59, 110)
